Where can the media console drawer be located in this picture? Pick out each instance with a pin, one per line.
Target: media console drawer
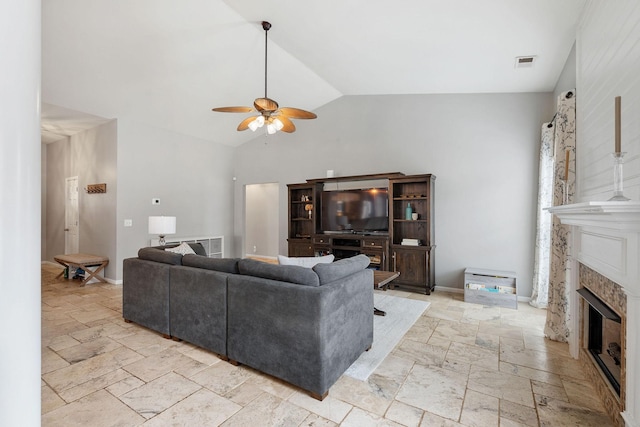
(373, 243)
(322, 240)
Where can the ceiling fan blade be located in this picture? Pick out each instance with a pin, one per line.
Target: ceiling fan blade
(296, 113)
(244, 125)
(288, 125)
(265, 104)
(233, 109)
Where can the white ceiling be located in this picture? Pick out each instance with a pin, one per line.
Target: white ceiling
(166, 64)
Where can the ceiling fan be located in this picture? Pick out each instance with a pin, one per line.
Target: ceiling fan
(270, 114)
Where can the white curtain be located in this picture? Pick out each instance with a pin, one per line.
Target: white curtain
(556, 327)
(540, 294)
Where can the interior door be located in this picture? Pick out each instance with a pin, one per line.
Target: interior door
(72, 217)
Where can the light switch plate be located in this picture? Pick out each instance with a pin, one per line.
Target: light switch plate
(155, 201)
(128, 223)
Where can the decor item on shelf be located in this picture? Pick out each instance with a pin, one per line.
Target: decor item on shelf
(411, 242)
(162, 225)
(618, 160)
(309, 208)
(618, 124)
(618, 157)
(565, 191)
(270, 113)
(408, 211)
(414, 216)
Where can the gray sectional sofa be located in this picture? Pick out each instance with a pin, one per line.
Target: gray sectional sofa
(303, 325)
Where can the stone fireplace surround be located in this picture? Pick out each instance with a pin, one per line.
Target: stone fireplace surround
(605, 237)
(614, 297)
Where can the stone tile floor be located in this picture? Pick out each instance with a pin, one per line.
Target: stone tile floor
(461, 364)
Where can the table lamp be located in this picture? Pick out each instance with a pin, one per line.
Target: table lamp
(162, 225)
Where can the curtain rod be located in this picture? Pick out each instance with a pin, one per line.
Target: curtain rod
(569, 96)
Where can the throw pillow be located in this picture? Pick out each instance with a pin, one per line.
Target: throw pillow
(182, 249)
(328, 273)
(308, 262)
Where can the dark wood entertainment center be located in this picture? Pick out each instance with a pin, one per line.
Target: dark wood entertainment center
(408, 247)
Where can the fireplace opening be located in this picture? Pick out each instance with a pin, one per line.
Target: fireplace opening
(603, 331)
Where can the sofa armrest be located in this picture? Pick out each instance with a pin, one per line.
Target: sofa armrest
(305, 335)
(145, 293)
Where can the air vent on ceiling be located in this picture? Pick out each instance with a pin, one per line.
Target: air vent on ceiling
(525, 61)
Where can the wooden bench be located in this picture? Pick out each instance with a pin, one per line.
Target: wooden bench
(84, 261)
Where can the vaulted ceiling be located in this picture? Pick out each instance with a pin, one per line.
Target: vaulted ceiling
(165, 63)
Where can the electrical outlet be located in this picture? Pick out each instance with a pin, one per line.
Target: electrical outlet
(255, 249)
(128, 223)
(155, 201)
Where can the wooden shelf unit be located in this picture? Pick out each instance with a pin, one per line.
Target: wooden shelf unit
(301, 219)
(415, 263)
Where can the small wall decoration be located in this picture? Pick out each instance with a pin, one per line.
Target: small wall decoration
(96, 188)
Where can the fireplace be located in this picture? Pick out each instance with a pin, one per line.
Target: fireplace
(604, 247)
(602, 334)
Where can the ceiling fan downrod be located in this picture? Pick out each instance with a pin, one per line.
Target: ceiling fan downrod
(265, 26)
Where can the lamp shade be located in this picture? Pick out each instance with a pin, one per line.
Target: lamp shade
(162, 225)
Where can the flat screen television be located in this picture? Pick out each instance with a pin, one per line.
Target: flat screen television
(362, 210)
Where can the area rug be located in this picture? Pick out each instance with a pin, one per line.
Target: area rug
(388, 330)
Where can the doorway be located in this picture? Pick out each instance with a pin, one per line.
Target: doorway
(71, 216)
(261, 220)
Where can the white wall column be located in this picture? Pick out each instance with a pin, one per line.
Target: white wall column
(631, 414)
(20, 213)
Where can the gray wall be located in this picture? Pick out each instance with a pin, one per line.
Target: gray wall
(567, 79)
(483, 148)
(90, 155)
(193, 179)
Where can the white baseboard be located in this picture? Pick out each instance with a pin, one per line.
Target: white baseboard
(449, 289)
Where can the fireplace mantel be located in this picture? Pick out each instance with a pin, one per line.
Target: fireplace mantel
(614, 215)
(605, 236)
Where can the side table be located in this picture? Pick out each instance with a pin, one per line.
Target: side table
(381, 280)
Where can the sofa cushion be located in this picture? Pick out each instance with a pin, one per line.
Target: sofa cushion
(284, 273)
(305, 261)
(160, 255)
(328, 273)
(226, 265)
(182, 249)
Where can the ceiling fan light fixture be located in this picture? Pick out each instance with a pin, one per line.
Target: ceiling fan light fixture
(258, 122)
(268, 108)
